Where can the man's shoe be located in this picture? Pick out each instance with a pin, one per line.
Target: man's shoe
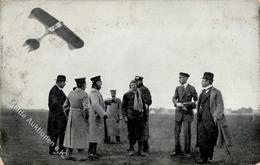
(54, 153)
(201, 161)
(93, 156)
(141, 153)
(132, 153)
(147, 153)
(176, 154)
(187, 154)
(68, 158)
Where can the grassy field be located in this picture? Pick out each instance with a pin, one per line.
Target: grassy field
(21, 145)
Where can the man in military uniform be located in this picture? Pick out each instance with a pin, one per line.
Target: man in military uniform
(147, 102)
(76, 106)
(96, 115)
(57, 119)
(113, 108)
(182, 100)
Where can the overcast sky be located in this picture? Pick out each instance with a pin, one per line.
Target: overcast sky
(153, 39)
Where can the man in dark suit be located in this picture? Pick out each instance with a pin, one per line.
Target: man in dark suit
(182, 100)
(212, 128)
(57, 120)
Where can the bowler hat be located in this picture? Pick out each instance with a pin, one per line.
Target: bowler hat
(208, 76)
(61, 78)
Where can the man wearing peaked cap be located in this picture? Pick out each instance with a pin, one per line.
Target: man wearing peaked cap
(184, 100)
(97, 115)
(80, 80)
(147, 102)
(96, 78)
(56, 115)
(138, 78)
(210, 106)
(113, 108)
(184, 74)
(77, 108)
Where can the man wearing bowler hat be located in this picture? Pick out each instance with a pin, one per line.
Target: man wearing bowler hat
(147, 102)
(211, 122)
(97, 115)
(182, 100)
(56, 119)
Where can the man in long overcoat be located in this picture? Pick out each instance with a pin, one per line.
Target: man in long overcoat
(76, 106)
(147, 102)
(97, 115)
(182, 100)
(211, 122)
(113, 109)
(56, 119)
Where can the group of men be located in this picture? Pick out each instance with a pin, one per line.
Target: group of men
(79, 120)
(212, 128)
(82, 120)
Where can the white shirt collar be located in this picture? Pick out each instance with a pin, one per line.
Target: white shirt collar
(206, 88)
(59, 87)
(185, 85)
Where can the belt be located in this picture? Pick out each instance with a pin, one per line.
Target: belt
(75, 109)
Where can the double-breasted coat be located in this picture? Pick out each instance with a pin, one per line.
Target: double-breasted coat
(56, 119)
(76, 135)
(96, 114)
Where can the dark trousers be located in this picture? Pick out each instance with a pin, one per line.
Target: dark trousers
(92, 149)
(54, 138)
(146, 145)
(206, 152)
(135, 133)
(187, 136)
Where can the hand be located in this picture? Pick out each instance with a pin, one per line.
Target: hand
(125, 120)
(97, 117)
(146, 106)
(179, 105)
(184, 108)
(105, 117)
(215, 120)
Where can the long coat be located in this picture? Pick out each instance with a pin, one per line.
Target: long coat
(96, 114)
(217, 111)
(183, 96)
(56, 119)
(114, 112)
(148, 101)
(76, 135)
